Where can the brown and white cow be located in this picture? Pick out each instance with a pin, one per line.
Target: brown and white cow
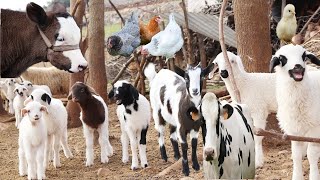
(34, 36)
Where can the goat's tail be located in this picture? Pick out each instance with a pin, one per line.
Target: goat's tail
(150, 71)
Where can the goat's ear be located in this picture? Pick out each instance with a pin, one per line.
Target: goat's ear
(29, 99)
(36, 14)
(24, 111)
(46, 98)
(69, 96)
(194, 113)
(207, 70)
(15, 90)
(227, 111)
(92, 91)
(44, 109)
(313, 58)
(134, 92)
(179, 71)
(275, 61)
(215, 68)
(111, 94)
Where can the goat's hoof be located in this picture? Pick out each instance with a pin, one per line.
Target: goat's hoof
(186, 172)
(177, 157)
(105, 160)
(144, 165)
(125, 160)
(196, 166)
(57, 165)
(134, 168)
(88, 164)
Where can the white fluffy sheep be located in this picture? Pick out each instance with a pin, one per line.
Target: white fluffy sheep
(57, 80)
(257, 91)
(297, 90)
(56, 122)
(10, 86)
(134, 114)
(32, 141)
(18, 102)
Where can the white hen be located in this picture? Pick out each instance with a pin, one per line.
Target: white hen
(167, 42)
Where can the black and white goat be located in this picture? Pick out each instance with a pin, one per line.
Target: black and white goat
(172, 104)
(229, 152)
(134, 114)
(94, 116)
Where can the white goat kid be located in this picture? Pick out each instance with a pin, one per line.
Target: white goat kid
(297, 90)
(21, 96)
(257, 91)
(32, 141)
(56, 121)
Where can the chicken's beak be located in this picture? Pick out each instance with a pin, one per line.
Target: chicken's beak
(109, 45)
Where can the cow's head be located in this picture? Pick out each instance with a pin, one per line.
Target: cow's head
(63, 38)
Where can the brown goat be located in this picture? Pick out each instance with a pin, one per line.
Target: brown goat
(34, 36)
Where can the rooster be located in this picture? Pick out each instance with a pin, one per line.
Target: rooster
(127, 39)
(167, 42)
(149, 30)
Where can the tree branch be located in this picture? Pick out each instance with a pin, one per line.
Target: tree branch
(224, 51)
(74, 10)
(261, 132)
(309, 20)
(115, 8)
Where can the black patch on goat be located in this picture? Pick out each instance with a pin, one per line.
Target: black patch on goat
(169, 107)
(195, 164)
(143, 139)
(249, 159)
(275, 61)
(174, 143)
(125, 119)
(240, 107)
(239, 159)
(313, 59)
(220, 172)
(135, 106)
(128, 111)
(161, 120)
(218, 121)
(240, 152)
(163, 153)
(245, 122)
(128, 95)
(162, 91)
(244, 139)
(46, 98)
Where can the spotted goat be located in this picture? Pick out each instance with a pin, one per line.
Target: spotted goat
(172, 104)
(229, 152)
(134, 114)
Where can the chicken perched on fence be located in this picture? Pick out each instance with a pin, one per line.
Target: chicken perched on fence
(287, 26)
(149, 30)
(127, 39)
(167, 42)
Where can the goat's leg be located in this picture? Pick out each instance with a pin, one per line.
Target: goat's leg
(194, 142)
(313, 153)
(22, 161)
(30, 156)
(16, 114)
(204, 131)
(56, 148)
(297, 154)
(259, 121)
(184, 147)
(64, 143)
(103, 142)
(174, 142)
(88, 134)
(159, 124)
(125, 146)
(11, 110)
(134, 149)
(48, 149)
(142, 139)
(39, 159)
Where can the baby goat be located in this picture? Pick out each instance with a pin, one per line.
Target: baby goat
(134, 114)
(172, 104)
(21, 96)
(94, 116)
(32, 141)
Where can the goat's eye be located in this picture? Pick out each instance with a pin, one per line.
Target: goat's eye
(28, 111)
(60, 39)
(82, 90)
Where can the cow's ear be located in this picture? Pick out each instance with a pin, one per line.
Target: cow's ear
(227, 111)
(36, 14)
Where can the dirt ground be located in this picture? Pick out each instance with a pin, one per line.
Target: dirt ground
(278, 164)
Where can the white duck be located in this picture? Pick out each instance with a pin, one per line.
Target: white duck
(167, 42)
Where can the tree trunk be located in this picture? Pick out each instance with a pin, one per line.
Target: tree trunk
(73, 108)
(253, 34)
(97, 73)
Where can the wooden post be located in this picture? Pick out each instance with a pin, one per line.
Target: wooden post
(203, 58)
(223, 48)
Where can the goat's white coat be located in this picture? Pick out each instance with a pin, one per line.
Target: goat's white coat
(31, 87)
(32, 142)
(56, 121)
(257, 91)
(235, 127)
(298, 111)
(103, 130)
